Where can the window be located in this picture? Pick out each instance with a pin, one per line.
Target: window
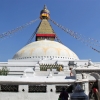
(59, 88)
(37, 88)
(68, 88)
(71, 63)
(9, 88)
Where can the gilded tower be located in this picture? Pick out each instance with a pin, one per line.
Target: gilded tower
(44, 30)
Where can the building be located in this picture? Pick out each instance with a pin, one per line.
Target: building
(40, 69)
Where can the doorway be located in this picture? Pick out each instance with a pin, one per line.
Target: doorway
(92, 84)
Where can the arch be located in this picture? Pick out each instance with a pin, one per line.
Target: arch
(93, 82)
(95, 75)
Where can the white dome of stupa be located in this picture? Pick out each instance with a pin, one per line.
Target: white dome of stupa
(45, 49)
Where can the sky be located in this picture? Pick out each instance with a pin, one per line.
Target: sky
(80, 16)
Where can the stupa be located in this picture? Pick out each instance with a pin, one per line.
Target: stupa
(42, 68)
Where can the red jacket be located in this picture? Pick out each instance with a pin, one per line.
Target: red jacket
(95, 90)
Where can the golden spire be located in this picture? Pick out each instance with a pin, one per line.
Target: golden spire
(44, 30)
(44, 14)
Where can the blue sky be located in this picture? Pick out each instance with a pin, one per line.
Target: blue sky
(81, 16)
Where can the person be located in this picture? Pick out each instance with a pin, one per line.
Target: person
(64, 94)
(95, 92)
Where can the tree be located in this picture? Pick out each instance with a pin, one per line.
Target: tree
(4, 71)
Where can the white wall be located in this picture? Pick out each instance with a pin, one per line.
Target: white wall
(30, 96)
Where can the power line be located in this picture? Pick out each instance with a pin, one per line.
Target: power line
(3, 35)
(77, 36)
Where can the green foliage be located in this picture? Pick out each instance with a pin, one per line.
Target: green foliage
(4, 71)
